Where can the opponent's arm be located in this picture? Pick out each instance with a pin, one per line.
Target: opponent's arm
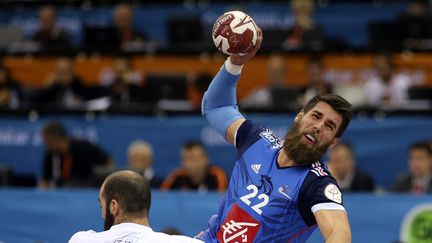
(334, 225)
(219, 105)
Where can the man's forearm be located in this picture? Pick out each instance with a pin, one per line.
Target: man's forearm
(219, 104)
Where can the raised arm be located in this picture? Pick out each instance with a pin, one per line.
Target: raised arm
(219, 105)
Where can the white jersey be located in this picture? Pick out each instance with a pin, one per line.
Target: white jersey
(128, 233)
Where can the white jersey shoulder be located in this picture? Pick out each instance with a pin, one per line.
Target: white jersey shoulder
(84, 236)
(129, 233)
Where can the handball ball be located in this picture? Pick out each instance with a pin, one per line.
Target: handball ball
(235, 33)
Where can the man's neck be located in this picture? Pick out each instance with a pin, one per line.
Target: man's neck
(346, 180)
(200, 176)
(425, 177)
(284, 160)
(141, 221)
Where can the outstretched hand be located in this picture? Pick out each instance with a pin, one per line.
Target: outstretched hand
(239, 59)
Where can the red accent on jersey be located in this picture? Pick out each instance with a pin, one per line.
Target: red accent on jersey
(238, 226)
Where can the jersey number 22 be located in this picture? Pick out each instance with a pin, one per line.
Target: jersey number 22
(254, 191)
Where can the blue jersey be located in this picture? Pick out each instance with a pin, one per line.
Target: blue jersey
(267, 203)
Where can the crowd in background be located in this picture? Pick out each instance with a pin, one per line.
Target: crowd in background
(74, 163)
(384, 86)
(407, 29)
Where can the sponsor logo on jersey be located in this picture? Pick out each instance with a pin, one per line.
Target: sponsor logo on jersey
(333, 193)
(256, 167)
(271, 139)
(285, 191)
(234, 230)
(238, 226)
(318, 170)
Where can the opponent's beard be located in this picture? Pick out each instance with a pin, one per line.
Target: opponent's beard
(109, 219)
(300, 152)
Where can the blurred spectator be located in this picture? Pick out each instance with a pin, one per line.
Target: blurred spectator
(263, 97)
(416, 22)
(121, 69)
(343, 167)
(63, 87)
(196, 173)
(67, 161)
(305, 33)
(123, 24)
(50, 35)
(10, 90)
(419, 179)
(387, 88)
(140, 159)
(316, 84)
(124, 83)
(418, 8)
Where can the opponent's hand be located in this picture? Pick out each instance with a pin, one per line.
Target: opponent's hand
(240, 60)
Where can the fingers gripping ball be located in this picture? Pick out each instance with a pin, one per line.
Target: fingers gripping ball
(235, 33)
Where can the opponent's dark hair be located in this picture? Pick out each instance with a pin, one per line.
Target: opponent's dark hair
(339, 104)
(54, 129)
(131, 190)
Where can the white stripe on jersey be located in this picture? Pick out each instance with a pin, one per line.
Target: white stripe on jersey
(235, 137)
(327, 206)
(318, 170)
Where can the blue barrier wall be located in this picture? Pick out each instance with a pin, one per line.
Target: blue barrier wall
(53, 216)
(348, 21)
(381, 144)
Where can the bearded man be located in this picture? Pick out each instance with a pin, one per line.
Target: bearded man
(125, 200)
(279, 190)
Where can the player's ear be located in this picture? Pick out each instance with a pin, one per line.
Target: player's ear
(299, 116)
(114, 207)
(334, 142)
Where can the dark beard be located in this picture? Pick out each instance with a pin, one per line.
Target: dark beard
(109, 219)
(300, 152)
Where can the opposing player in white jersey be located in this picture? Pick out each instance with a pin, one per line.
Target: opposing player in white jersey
(125, 199)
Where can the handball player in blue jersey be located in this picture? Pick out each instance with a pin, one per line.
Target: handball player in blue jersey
(280, 190)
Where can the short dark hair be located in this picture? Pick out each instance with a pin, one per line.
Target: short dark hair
(190, 144)
(422, 145)
(131, 190)
(54, 129)
(346, 145)
(339, 104)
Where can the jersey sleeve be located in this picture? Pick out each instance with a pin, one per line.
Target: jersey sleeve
(318, 192)
(247, 134)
